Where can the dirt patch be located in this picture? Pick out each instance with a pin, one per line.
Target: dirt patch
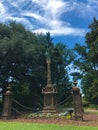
(88, 120)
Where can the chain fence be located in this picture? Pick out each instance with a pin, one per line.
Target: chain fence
(64, 101)
(24, 108)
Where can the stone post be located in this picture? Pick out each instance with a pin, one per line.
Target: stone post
(77, 100)
(7, 106)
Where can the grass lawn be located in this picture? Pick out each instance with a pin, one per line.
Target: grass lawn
(89, 110)
(35, 126)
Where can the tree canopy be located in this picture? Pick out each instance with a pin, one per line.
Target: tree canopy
(88, 62)
(23, 63)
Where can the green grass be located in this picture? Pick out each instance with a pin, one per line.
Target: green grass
(89, 110)
(34, 126)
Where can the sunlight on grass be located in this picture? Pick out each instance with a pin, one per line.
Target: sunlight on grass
(35, 126)
(93, 111)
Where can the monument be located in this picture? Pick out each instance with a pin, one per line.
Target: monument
(49, 91)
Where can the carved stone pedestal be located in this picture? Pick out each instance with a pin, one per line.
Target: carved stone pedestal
(49, 99)
(78, 108)
(7, 106)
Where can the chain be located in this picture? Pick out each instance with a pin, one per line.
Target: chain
(64, 100)
(25, 106)
(20, 113)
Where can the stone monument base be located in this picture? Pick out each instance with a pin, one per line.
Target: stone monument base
(49, 100)
(49, 110)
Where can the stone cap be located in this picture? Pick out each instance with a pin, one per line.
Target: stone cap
(9, 90)
(49, 90)
(75, 88)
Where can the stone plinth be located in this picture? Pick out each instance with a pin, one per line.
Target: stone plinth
(49, 99)
(7, 106)
(77, 100)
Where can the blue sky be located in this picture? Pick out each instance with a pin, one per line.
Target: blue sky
(66, 20)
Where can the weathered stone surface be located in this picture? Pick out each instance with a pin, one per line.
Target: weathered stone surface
(7, 106)
(49, 93)
(78, 108)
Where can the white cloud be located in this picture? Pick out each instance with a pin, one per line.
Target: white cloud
(36, 16)
(54, 25)
(92, 1)
(52, 18)
(53, 10)
(14, 18)
(2, 9)
(87, 9)
(63, 31)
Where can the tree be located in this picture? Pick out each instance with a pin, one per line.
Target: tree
(20, 59)
(88, 62)
(61, 57)
(23, 63)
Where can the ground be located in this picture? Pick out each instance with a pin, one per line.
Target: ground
(89, 119)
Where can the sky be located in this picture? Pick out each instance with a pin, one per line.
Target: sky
(66, 20)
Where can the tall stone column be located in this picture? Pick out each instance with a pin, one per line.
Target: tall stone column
(49, 92)
(7, 106)
(49, 73)
(77, 100)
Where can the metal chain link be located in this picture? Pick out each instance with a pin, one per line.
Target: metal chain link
(64, 100)
(20, 113)
(25, 106)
